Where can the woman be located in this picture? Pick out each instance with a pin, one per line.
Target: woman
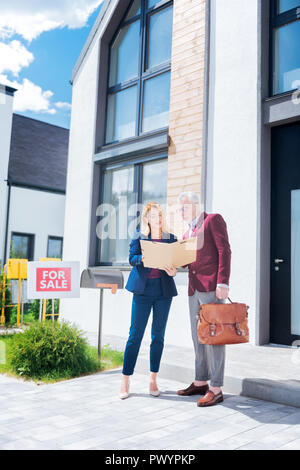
(152, 289)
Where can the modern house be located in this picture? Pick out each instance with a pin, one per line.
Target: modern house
(33, 169)
(197, 95)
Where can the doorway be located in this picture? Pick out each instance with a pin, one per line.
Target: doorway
(285, 234)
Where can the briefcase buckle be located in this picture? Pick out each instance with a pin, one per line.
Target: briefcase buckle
(212, 328)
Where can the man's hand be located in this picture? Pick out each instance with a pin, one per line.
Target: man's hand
(222, 292)
(171, 270)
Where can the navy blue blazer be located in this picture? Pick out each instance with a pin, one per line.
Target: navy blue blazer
(138, 276)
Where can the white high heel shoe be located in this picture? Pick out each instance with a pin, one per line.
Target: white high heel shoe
(124, 395)
(154, 393)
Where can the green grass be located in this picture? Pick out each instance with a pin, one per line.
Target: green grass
(110, 359)
(4, 365)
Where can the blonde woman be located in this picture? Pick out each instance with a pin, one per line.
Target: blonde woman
(152, 289)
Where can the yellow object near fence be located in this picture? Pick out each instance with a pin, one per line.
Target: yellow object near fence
(14, 269)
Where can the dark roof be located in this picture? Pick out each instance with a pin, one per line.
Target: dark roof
(38, 154)
(8, 90)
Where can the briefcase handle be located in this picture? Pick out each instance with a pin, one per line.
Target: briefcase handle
(215, 301)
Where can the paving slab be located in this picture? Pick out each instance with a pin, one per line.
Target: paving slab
(268, 372)
(94, 417)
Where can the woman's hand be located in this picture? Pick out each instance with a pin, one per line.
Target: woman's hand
(171, 270)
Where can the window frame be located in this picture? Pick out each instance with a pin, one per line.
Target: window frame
(137, 185)
(31, 238)
(278, 20)
(55, 237)
(143, 74)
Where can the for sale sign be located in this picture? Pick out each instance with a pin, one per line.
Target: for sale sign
(53, 279)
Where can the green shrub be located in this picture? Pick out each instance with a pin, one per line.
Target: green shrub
(31, 312)
(28, 317)
(51, 350)
(33, 307)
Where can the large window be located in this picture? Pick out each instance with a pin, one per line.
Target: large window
(125, 188)
(139, 71)
(285, 24)
(21, 246)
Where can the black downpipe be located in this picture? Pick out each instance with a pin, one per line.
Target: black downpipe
(7, 221)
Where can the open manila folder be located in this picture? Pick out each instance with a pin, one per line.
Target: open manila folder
(159, 254)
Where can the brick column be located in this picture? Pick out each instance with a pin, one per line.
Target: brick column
(186, 98)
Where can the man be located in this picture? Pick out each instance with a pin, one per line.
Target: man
(208, 281)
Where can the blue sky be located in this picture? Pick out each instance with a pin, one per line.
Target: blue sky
(39, 62)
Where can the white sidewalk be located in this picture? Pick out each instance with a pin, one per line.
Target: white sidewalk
(265, 372)
(86, 413)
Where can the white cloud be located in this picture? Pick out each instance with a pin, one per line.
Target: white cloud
(13, 57)
(30, 97)
(29, 19)
(63, 105)
(32, 17)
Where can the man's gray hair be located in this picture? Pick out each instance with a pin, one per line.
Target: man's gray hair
(193, 197)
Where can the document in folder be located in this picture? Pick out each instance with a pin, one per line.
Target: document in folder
(159, 254)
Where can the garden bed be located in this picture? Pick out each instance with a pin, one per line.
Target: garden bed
(47, 353)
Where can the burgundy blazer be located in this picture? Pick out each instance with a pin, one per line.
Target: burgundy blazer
(212, 265)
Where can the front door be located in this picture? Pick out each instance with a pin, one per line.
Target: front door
(285, 235)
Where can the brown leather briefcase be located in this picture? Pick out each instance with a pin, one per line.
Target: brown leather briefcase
(221, 323)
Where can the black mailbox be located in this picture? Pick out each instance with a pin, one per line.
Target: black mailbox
(101, 279)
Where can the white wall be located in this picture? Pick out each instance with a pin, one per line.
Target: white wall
(38, 212)
(6, 109)
(233, 138)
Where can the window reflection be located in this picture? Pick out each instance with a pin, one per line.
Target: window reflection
(120, 214)
(287, 58)
(125, 54)
(295, 262)
(118, 192)
(155, 176)
(140, 50)
(152, 3)
(121, 114)
(160, 37)
(134, 10)
(156, 102)
(285, 5)
(54, 247)
(21, 246)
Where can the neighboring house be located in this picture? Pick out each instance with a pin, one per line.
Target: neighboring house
(191, 95)
(33, 185)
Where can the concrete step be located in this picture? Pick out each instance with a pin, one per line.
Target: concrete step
(278, 391)
(267, 372)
